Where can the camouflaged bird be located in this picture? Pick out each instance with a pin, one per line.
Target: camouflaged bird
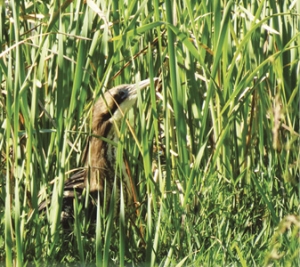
(98, 176)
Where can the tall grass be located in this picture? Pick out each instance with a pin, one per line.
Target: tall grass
(213, 149)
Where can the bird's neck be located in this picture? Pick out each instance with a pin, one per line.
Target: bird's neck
(102, 156)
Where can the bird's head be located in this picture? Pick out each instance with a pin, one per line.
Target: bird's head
(112, 106)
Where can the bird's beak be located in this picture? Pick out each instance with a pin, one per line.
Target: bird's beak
(141, 85)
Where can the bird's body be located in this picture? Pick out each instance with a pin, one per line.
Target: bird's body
(98, 174)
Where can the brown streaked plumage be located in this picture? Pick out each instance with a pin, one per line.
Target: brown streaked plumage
(100, 158)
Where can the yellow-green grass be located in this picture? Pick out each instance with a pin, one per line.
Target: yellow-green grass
(213, 150)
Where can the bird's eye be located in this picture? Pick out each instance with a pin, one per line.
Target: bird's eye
(123, 94)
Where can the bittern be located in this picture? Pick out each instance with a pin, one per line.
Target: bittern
(99, 172)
